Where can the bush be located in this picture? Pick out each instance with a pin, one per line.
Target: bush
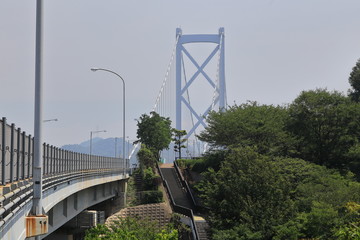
(149, 177)
(210, 160)
(132, 228)
(278, 198)
(148, 197)
(146, 158)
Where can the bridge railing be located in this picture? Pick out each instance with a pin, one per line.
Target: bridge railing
(17, 156)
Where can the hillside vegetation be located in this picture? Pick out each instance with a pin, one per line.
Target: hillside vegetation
(284, 172)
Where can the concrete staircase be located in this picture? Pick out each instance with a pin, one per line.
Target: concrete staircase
(177, 191)
(181, 198)
(138, 182)
(202, 227)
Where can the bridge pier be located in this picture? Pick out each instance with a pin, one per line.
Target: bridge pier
(115, 203)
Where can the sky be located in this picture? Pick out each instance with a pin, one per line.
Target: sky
(274, 49)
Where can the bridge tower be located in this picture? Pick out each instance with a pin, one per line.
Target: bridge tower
(217, 85)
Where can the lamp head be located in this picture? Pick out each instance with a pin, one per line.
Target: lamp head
(94, 69)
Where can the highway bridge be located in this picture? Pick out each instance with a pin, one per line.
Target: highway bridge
(72, 182)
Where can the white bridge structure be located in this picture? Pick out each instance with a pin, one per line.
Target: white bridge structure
(196, 76)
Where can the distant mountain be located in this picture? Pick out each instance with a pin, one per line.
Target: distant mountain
(103, 147)
(106, 147)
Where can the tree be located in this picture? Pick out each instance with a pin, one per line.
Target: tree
(327, 128)
(179, 140)
(354, 80)
(155, 132)
(250, 124)
(246, 195)
(146, 158)
(255, 196)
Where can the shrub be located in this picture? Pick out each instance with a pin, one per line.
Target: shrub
(148, 197)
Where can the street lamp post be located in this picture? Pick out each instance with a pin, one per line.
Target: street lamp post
(106, 70)
(37, 165)
(91, 132)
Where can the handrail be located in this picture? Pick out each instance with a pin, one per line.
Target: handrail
(185, 184)
(177, 208)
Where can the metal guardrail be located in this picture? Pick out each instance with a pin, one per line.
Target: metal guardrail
(17, 155)
(13, 201)
(59, 166)
(180, 209)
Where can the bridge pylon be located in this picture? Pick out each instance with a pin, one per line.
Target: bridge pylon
(217, 85)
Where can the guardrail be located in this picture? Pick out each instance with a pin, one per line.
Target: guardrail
(17, 156)
(59, 166)
(14, 200)
(180, 209)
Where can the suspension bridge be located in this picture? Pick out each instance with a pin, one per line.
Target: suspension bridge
(194, 85)
(73, 182)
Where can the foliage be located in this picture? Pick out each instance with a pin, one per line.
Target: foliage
(247, 193)
(131, 229)
(155, 132)
(179, 140)
(131, 199)
(351, 229)
(146, 158)
(183, 229)
(354, 80)
(148, 177)
(210, 159)
(250, 124)
(254, 196)
(327, 128)
(154, 196)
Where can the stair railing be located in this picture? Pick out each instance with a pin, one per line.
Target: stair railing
(180, 209)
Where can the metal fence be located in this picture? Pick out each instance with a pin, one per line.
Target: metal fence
(17, 156)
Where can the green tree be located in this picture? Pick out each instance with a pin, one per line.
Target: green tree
(247, 195)
(250, 124)
(351, 229)
(255, 196)
(327, 128)
(354, 80)
(146, 158)
(179, 140)
(155, 132)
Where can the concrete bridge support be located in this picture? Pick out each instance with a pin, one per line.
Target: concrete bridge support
(109, 197)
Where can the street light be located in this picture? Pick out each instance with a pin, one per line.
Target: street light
(50, 120)
(91, 132)
(106, 70)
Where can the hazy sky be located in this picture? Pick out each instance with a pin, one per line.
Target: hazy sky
(274, 50)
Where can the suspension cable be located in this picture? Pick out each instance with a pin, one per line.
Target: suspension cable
(166, 75)
(158, 98)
